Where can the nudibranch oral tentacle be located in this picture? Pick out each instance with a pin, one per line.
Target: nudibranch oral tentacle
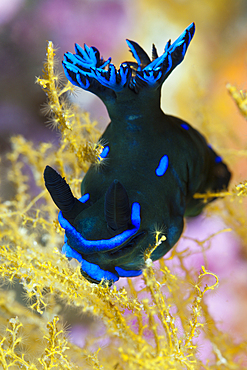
(92, 270)
(155, 164)
(104, 245)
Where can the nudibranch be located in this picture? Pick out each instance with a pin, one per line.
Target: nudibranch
(155, 164)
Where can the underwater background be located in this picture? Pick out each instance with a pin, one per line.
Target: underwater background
(187, 311)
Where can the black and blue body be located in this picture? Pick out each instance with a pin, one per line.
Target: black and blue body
(154, 164)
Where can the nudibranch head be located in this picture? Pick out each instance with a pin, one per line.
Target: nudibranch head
(101, 232)
(155, 164)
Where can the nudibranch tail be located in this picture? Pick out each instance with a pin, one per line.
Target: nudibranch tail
(89, 71)
(62, 195)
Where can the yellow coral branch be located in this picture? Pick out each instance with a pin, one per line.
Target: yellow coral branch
(66, 117)
(239, 97)
(26, 209)
(197, 305)
(8, 348)
(152, 285)
(55, 348)
(239, 190)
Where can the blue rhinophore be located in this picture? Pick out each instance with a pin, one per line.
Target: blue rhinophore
(84, 198)
(163, 165)
(91, 246)
(94, 271)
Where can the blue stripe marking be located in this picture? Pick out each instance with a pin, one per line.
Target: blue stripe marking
(185, 126)
(124, 273)
(82, 245)
(84, 198)
(135, 215)
(90, 268)
(162, 167)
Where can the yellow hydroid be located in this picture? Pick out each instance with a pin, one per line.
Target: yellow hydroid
(239, 97)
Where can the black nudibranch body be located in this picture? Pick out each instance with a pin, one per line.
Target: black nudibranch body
(155, 164)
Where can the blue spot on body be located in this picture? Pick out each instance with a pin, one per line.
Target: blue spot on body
(84, 198)
(162, 167)
(105, 151)
(218, 159)
(185, 126)
(136, 215)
